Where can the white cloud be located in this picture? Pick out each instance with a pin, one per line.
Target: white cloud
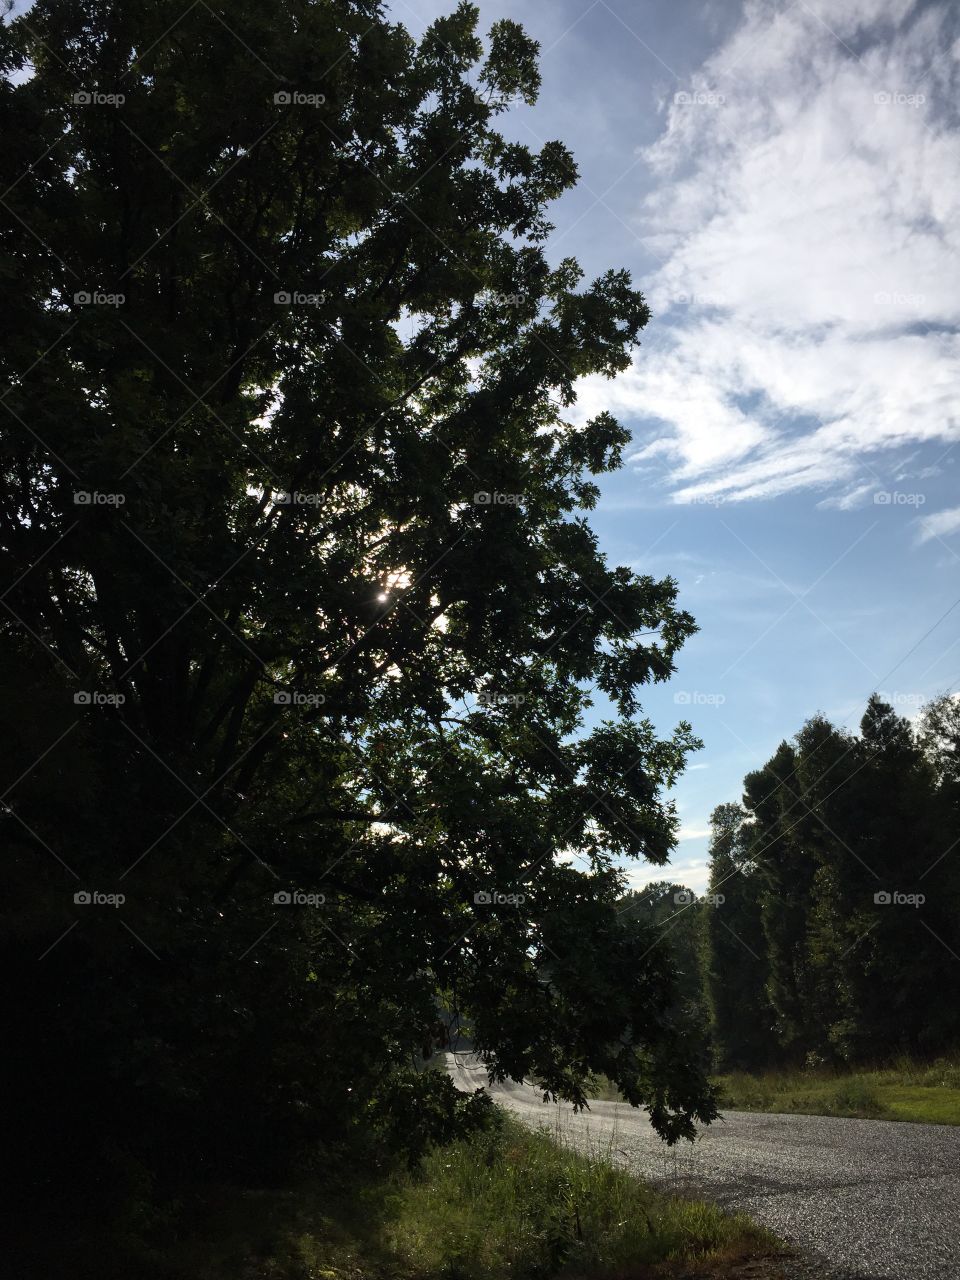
(810, 224)
(939, 524)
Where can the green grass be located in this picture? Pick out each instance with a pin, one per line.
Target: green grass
(515, 1203)
(506, 1203)
(923, 1093)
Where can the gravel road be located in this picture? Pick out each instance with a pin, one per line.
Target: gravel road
(863, 1199)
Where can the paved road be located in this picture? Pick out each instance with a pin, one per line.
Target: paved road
(866, 1199)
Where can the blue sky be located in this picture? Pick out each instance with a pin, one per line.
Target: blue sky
(783, 181)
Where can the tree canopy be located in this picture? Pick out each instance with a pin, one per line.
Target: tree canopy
(303, 613)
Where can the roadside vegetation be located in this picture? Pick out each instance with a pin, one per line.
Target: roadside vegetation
(504, 1202)
(906, 1090)
(922, 1093)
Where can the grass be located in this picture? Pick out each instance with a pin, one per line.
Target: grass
(922, 1093)
(514, 1203)
(506, 1203)
(919, 1093)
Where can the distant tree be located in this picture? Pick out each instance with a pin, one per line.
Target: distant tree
(786, 867)
(939, 732)
(898, 955)
(672, 910)
(734, 947)
(827, 821)
(301, 594)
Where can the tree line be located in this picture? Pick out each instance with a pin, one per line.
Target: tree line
(830, 929)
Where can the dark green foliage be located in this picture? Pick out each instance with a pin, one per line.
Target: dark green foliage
(851, 872)
(673, 910)
(333, 287)
(734, 948)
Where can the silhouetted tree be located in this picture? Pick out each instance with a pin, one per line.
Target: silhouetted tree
(302, 599)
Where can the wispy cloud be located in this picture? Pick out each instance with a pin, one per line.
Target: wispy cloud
(939, 524)
(808, 216)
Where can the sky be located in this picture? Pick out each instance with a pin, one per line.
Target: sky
(782, 180)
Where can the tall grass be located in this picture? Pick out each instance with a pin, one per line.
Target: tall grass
(514, 1203)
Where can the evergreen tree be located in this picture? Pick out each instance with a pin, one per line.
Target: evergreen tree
(786, 867)
(734, 947)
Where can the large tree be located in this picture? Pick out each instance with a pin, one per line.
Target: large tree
(300, 594)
